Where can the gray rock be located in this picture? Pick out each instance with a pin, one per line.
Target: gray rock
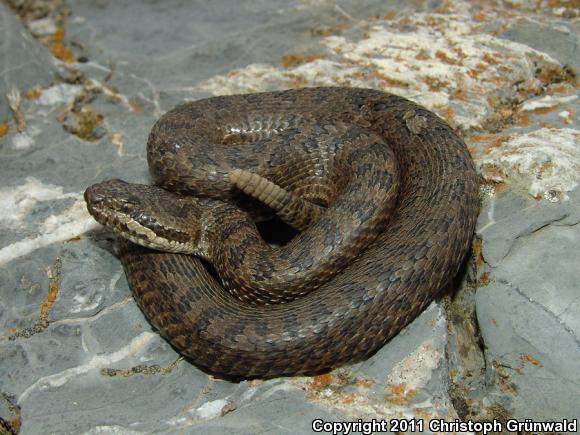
(204, 38)
(24, 63)
(528, 314)
(94, 355)
(72, 337)
(511, 216)
(559, 40)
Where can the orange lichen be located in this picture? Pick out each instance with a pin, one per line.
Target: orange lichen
(477, 70)
(423, 55)
(442, 56)
(460, 53)
(448, 114)
(329, 30)
(390, 15)
(476, 249)
(397, 388)
(490, 59)
(481, 137)
(545, 110)
(364, 383)
(34, 93)
(435, 84)
(459, 93)
(499, 187)
(4, 129)
(493, 172)
(348, 399)
(135, 106)
(530, 359)
(545, 125)
(289, 60)
(522, 119)
(320, 382)
(58, 36)
(505, 113)
(62, 53)
(549, 74)
(54, 276)
(561, 3)
(479, 17)
(49, 302)
(58, 49)
(389, 81)
(484, 280)
(496, 143)
(399, 394)
(558, 89)
(297, 80)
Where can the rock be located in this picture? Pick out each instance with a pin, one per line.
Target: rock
(24, 63)
(558, 39)
(71, 336)
(528, 313)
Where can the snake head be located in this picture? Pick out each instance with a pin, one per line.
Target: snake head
(147, 215)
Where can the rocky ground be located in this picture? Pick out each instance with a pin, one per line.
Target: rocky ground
(81, 84)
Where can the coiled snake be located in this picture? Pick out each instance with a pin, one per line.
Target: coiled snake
(385, 194)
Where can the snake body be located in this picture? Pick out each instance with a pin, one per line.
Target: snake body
(354, 308)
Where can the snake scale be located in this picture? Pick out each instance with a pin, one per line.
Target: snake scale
(385, 195)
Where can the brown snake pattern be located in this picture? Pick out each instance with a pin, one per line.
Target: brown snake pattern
(396, 268)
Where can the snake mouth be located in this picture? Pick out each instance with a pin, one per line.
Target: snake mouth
(127, 219)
